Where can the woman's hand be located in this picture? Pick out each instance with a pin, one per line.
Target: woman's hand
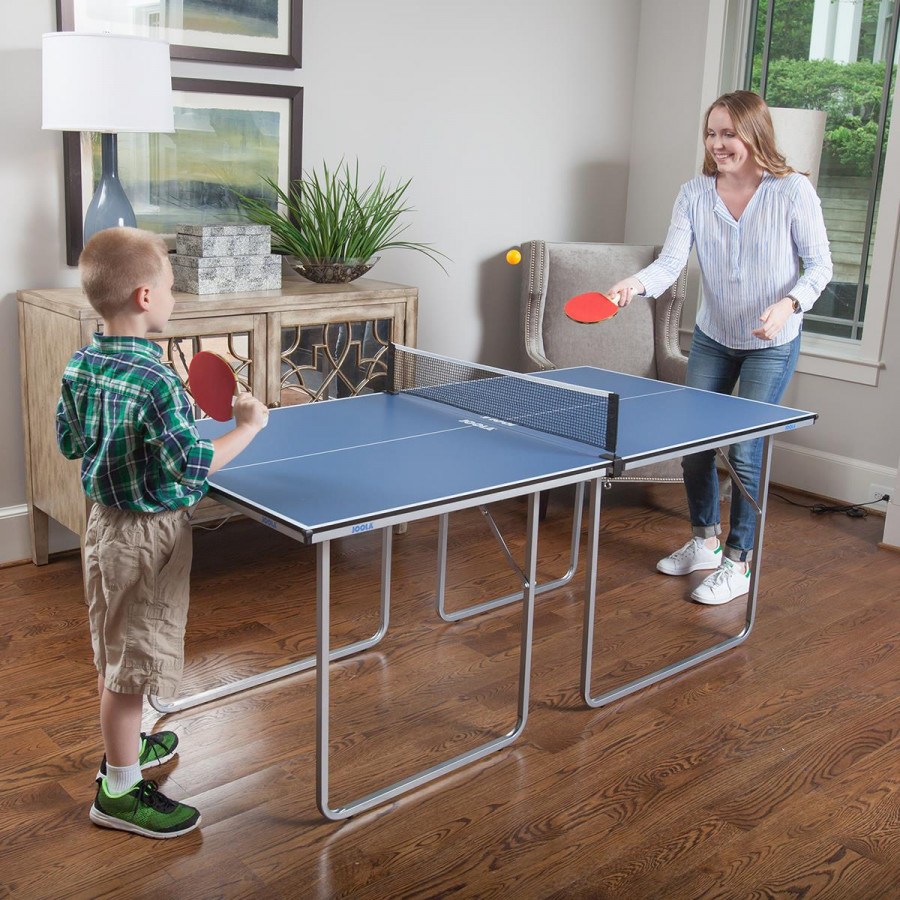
(623, 291)
(774, 318)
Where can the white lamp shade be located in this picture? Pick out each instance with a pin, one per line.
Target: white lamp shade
(798, 135)
(107, 83)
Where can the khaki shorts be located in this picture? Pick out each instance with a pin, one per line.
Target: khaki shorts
(138, 590)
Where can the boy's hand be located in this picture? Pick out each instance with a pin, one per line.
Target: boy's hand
(250, 416)
(250, 411)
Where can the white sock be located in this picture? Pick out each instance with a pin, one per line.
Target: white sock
(120, 779)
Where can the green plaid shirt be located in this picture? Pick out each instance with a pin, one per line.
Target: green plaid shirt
(127, 417)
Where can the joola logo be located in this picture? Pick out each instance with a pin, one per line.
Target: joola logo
(476, 424)
(366, 526)
(270, 522)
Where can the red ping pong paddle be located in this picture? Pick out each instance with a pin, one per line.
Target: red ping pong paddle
(589, 308)
(214, 385)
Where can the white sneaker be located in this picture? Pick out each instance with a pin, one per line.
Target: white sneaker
(726, 583)
(694, 555)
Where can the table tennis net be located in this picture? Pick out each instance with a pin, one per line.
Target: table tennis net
(580, 414)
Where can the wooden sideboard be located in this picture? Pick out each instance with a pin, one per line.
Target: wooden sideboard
(302, 343)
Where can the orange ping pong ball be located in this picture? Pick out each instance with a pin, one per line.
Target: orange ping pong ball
(513, 257)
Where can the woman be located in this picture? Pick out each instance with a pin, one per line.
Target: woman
(753, 219)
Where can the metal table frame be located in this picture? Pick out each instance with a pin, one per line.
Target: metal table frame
(595, 473)
(325, 655)
(301, 665)
(323, 681)
(488, 605)
(695, 659)
(590, 595)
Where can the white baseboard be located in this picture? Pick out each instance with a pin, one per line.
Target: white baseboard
(15, 535)
(15, 541)
(828, 475)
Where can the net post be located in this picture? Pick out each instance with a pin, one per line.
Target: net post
(612, 423)
(392, 369)
(612, 434)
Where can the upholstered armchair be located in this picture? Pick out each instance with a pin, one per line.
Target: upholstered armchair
(641, 340)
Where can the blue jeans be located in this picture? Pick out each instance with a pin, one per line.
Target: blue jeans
(760, 375)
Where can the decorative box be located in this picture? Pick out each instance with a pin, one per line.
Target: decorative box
(226, 274)
(224, 259)
(223, 240)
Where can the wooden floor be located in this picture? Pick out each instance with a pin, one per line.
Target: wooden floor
(772, 771)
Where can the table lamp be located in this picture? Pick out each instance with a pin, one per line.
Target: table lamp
(106, 83)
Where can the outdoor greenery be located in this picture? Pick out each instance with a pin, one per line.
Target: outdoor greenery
(850, 93)
(330, 216)
(792, 29)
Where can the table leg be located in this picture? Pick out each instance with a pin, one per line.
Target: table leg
(302, 665)
(487, 605)
(688, 662)
(412, 782)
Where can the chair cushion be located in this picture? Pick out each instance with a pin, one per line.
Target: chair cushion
(624, 343)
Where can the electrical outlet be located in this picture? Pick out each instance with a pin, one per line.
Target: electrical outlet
(878, 490)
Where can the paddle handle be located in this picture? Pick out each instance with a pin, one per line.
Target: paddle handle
(234, 400)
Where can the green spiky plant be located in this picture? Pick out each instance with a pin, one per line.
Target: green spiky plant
(331, 218)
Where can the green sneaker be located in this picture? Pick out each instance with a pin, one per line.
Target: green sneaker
(156, 749)
(145, 811)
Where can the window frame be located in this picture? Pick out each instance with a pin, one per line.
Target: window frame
(859, 361)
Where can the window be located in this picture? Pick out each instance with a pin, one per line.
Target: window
(838, 56)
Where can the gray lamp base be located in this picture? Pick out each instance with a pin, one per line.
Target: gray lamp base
(109, 206)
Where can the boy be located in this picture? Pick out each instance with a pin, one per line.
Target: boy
(129, 420)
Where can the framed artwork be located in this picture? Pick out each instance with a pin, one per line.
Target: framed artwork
(245, 32)
(228, 137)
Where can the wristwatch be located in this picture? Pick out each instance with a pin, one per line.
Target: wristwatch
(795, 303)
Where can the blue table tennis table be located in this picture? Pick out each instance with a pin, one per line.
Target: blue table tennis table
(452, 435)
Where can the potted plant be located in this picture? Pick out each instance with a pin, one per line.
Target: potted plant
(330, 227)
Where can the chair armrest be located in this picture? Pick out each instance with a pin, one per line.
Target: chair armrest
(533, 287)
(671, 362)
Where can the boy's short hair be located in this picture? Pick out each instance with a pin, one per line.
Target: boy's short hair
(117, 261)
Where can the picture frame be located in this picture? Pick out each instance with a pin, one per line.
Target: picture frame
(232, 135)
(210, 30)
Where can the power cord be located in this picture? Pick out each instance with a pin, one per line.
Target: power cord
(854, 510)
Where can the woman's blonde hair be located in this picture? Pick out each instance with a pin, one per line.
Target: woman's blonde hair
(115, 262)
(753, 125)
